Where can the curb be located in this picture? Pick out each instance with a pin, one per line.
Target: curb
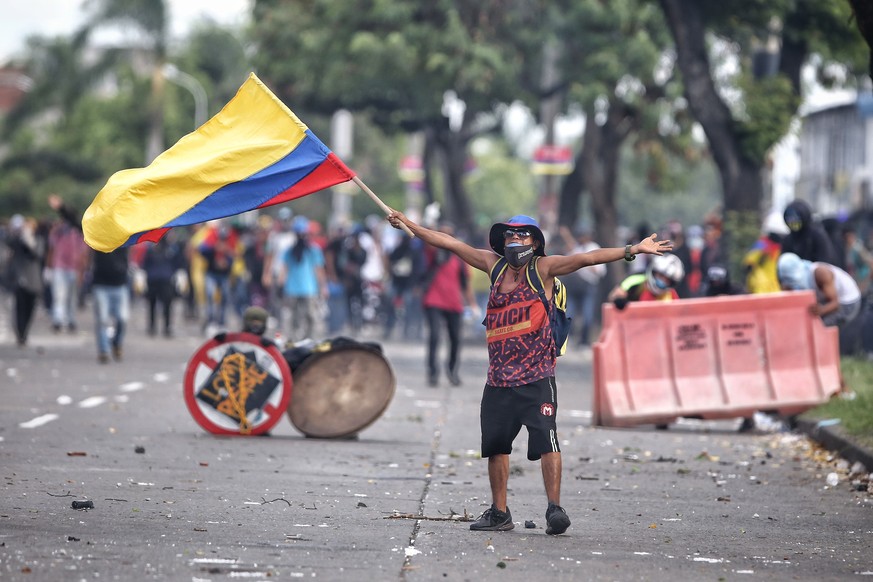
(831, 438)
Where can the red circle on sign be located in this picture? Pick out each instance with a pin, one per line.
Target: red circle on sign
(236, 386)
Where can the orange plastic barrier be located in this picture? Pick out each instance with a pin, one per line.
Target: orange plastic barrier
(720, 357)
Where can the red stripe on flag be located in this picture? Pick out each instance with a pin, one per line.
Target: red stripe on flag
(330, 172)
(152, 235)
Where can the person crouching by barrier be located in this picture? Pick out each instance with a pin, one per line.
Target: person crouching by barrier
(838, 298)
(658, 283)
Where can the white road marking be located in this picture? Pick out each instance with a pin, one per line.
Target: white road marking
(92, 402)
(132, 386)
(579, 413)
(39, 421)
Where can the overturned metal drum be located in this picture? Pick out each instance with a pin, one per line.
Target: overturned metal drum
(340, 392)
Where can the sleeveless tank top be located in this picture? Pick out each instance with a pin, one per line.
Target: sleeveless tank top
(847, 289)
(521, 348)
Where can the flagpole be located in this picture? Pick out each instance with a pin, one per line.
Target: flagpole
(381, 204)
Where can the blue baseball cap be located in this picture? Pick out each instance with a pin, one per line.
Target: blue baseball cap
(495, 237)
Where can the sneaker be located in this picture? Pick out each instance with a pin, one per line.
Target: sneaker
(454, 378)
(557, 520)
(102, 358)
(493, 520)
(117, 353)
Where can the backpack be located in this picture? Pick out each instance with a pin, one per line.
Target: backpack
(558, 318)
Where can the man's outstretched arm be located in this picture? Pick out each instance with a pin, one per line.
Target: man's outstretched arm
(481, 259)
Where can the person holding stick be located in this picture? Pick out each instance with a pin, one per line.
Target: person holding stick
(520, 390)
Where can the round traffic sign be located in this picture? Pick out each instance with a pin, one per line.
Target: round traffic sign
(234, 384)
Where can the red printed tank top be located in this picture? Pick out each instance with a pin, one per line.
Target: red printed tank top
(521, 348)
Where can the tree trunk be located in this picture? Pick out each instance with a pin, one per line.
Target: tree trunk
(453, 146)
(427, 164)
(742, 187)
(570, 199)
(601, 147)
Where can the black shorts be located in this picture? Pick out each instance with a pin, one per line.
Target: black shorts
(505, 410)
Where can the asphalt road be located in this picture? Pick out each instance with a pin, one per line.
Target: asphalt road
(699, 501)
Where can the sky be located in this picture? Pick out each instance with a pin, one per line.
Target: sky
(61, 17)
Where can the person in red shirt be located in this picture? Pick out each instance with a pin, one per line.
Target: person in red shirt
(520, 390)
(445, 290)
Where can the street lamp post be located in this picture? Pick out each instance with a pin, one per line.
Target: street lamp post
(189, 82)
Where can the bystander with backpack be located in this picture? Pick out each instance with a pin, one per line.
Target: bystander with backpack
(522, 351)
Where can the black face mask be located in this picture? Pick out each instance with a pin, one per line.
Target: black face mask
(517, 254)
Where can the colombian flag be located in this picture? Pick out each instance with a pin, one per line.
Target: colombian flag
(254, 153)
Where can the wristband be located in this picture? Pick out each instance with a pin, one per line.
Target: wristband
(627, 254)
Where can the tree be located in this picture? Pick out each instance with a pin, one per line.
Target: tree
(741, 132)
(151, 19)
(611, 65)
(55, 134)
(395, 61)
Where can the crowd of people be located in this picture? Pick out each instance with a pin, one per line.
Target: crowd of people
(316, 282)
(349, 280)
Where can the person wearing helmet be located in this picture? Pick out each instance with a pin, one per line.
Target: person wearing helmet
(658, 283)
(838, 298)
(520, 389)
(718, 282)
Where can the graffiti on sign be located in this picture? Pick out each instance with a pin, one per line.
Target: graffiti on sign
(238, 386)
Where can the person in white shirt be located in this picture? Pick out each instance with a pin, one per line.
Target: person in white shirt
(838, 298)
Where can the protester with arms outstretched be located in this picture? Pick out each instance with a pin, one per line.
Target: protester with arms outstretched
(521, 390)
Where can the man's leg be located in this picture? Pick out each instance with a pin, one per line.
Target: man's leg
(101, 321)
(557, 520)
(454, 321)
(551, 465)
(498, 476)
(432, 316)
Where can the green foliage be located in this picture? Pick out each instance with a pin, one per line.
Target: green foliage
(856, 416)
(500, 185)
(392, 59)
(769, 106)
